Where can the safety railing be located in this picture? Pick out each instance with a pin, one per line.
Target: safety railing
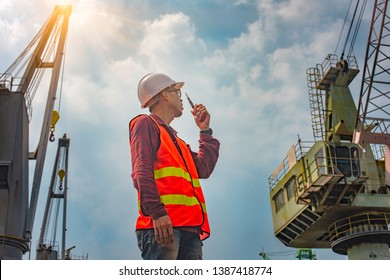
(352, 62)
(77, 257)
(341, 166)
(359, 224)
(300, 149)
(332, 60)
(329, 61)
(7, 81)
(325, 165)
(48, 245)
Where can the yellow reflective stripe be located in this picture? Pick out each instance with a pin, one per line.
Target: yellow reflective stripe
(175, 172)
(204, 207)
(181, 200)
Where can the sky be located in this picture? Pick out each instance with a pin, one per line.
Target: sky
(245, 60)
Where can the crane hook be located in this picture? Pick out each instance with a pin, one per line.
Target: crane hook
(54, 119)
(61, 174)
(52, 138)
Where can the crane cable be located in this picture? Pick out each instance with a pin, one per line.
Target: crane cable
(362, 9)
(62, 76)
(342, 29)
(56, 114)
(349, 30)
(356, 30)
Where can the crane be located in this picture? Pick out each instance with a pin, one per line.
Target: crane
(18, 85)
(373, 119)
(301, 254)
(47, 248)
(334, 192)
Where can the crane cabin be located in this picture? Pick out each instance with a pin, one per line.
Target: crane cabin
(334, 192)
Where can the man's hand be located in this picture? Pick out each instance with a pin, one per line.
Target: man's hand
(201, 116)
(163, 230)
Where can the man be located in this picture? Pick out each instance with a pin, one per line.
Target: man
(173, 219)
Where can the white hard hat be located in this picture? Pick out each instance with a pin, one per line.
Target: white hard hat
(152, 84)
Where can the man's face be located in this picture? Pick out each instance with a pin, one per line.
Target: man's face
(175, 100)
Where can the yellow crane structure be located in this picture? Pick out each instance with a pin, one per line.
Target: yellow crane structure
(334, 192)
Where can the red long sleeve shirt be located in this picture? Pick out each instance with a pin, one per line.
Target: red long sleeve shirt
(144, 143)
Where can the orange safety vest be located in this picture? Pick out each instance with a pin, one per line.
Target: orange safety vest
(178, 185)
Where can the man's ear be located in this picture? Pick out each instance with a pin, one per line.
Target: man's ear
(164, 95)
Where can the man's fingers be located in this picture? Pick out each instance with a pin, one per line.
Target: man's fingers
(157, 235)
(166, 236)
(200, 113)
(163, 231)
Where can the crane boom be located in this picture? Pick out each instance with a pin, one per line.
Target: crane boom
(61, 15)
(56, 199)
(373, 118)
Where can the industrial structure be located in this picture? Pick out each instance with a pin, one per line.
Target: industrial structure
(334, 192)
(300, 254)
(48, 247)
(18, 85)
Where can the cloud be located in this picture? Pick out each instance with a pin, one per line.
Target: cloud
(253, 84)
(168, 42)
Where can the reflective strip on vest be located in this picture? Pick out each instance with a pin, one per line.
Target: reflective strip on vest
(181, 200)
(176, 172)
